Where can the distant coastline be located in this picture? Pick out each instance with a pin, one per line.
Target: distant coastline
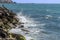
(6, 1)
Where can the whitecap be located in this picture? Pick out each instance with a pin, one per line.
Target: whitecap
(48, 16)
(29, 38)
(58, 17)
(26, 20)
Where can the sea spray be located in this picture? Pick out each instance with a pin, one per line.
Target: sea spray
(30, 25)
(27, 23)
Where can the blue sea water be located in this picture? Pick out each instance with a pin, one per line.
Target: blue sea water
(45, 16)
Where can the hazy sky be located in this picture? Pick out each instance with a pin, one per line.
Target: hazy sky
(37, 1)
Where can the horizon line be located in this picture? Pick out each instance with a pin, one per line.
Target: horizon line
(38, 3)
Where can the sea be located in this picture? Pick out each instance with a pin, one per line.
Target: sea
(42, 20)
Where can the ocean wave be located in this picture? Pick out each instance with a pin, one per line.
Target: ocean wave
(58, 17)
(27, 23)
(26, 20)
(19, 31)
(48, 16)
(52, 11)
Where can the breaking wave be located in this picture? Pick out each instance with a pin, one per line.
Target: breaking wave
(27, 24)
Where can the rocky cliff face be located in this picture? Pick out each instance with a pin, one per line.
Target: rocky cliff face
(8, 20)
(6, 1)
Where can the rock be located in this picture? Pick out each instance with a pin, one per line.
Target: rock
(20, 37)
(25, 30)
(14, 21)
(3, 34)
(7, 26)
(1, 24)
(22, 26)
(8, 20)
(32, 39)
(11, 25)
(5, 21)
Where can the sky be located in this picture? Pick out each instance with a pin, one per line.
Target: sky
(37, 1)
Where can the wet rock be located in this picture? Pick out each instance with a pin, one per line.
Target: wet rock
(7, 27)
(3, 34)
(5, 21)
(25, 30)
(8, 20)
(1, 24)
(11, 25)
(20, 37)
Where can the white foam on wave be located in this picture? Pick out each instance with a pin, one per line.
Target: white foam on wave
(28, 22)
(48, 16)
(59, 17)
(19, 31)
(34, 31)
(28, 38)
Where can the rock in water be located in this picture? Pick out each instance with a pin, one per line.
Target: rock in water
(8, 20)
